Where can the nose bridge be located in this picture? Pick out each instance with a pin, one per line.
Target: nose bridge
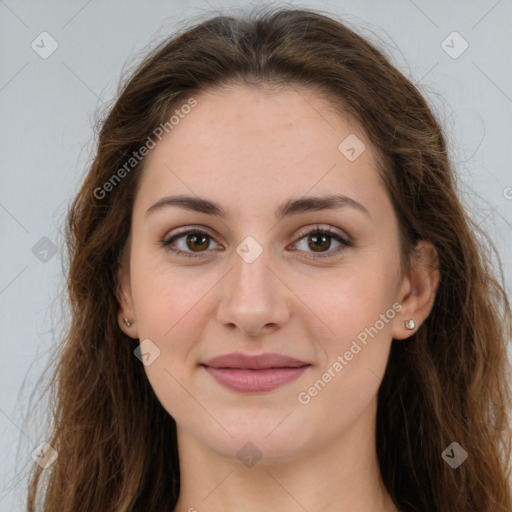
(253, 297)
(252, 275)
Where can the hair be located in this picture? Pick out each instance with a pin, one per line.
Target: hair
(117, 446)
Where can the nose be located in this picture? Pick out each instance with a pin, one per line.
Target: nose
(255, 299)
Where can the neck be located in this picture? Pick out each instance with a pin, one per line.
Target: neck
(343, 475)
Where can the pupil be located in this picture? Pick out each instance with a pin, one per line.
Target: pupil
(193, 238)
(323, 238)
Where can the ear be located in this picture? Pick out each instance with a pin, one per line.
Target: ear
(418, 289)
(124, 297)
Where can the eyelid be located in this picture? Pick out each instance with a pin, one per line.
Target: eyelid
(324, 228)
(343, 239)
(180, 232)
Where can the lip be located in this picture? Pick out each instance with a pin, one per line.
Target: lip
(265, 361)
(254, 373)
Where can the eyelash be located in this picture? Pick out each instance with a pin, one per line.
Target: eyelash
(318, 230)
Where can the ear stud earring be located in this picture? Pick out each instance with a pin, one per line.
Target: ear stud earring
(410, 324)
(127, 322)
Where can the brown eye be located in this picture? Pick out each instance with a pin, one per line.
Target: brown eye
(197, 241)
(190, 243)
(319, 241)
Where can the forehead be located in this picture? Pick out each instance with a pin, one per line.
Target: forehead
(243, 112)
(243, 145)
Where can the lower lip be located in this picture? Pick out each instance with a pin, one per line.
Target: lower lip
(253, 381)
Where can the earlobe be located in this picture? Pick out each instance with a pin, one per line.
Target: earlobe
(418, 291)
(126, 314)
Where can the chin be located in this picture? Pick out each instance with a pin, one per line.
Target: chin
(267, 440)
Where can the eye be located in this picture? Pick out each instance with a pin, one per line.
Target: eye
(318, 240)
(193, 239)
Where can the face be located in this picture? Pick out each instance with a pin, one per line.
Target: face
(317, 284)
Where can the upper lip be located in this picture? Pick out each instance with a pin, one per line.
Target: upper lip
(254, 362)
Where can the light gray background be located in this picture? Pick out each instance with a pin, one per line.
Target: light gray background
(48, 108)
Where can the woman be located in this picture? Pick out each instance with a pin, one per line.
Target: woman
(278, 301)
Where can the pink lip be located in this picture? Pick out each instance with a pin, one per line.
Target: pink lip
(250, 373)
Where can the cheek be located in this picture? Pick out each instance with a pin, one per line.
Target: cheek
(354, 359)
(357, 315)
(171, 314)
(344, 302)
(167, 298)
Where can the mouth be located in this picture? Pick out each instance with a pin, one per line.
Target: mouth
(254, 373)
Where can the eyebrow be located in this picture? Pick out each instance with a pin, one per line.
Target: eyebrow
(287, 209)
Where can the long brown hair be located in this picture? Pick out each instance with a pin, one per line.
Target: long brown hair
(449, 382)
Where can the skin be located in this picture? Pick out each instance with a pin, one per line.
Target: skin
(251, 149)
